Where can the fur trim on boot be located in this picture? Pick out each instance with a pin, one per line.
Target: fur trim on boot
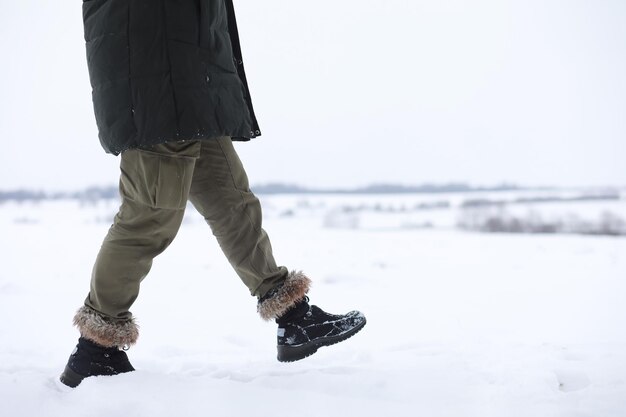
(280, 299)
(105, 331)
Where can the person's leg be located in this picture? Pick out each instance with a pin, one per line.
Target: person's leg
(221, 193)
(154, 186)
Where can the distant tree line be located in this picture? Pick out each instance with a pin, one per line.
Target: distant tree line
(93, 194)
(484, 202)
(428, 188)
(90, 194)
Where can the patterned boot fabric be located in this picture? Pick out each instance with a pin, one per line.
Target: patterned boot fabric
(305, 328)
(91, 359)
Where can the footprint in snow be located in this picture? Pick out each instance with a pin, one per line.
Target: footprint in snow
(571, 380)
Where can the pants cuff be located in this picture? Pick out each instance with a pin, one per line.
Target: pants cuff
(105, 331)
(280, 299)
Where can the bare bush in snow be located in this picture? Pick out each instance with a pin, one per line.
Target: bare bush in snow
(500, 220)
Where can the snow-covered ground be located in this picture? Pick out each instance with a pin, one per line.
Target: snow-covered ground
(459, 323)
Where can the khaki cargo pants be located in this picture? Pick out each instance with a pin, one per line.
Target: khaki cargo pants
(155, 185)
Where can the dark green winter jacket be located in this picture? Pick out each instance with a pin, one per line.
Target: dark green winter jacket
(166, 70)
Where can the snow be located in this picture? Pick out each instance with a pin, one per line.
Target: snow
(459, 323)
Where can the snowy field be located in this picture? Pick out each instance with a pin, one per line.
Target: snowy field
(459, 323)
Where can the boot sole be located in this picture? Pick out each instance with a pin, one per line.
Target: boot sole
(70, 378)
(296, 353)
(55, 382)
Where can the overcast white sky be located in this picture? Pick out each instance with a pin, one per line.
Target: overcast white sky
(351, 92)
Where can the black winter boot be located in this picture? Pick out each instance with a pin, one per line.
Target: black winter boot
(305, 328)
(91, 359)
